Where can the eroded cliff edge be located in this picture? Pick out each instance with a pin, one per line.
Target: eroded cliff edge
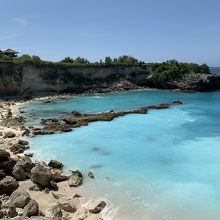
(20, 79)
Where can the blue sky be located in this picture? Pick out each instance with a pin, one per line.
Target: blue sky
(151, 30)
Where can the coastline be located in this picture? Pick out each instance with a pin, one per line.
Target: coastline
(41, 197)
(45, 197)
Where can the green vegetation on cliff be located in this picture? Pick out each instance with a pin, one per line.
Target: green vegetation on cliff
(172, 70)
(162, 73)
(79, 61)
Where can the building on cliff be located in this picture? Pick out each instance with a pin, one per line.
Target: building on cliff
(10, 53)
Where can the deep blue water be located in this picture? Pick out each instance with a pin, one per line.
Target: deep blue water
(164, 165)
(215, 70)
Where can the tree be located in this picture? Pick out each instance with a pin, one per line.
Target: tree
(127, 60)
(81, 60)
(67, 60)
(108, 60)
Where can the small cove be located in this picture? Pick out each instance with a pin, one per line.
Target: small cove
(162, 165)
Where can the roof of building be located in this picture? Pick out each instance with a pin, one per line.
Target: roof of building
(10, 51)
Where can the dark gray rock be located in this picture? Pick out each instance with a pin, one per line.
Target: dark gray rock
(17, 148)
(22, 169)
(8, 165)
(41, 175)
(55, 164)
(97, 207)
(22, 142)
(54, 212)
(31, 209)
(53, 184)
(29, 154)
(91, 175)
(4, 155)
(66, 204)
(75, 179)
(9, 210)
(2, 174)
(8, 185)
(20, 198)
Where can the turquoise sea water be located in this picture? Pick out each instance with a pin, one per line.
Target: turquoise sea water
(164, 165)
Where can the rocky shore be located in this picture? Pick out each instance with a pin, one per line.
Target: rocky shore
(34, 189)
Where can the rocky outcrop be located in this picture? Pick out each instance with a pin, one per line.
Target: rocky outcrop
(76, 119)
(8, 185)
(189, 82)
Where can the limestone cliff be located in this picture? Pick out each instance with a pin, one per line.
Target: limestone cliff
(18, 79)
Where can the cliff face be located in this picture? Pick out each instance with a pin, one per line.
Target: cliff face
(43, 79)
(18, 79)
(10, 78)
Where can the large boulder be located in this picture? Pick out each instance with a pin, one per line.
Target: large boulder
(55, 164)
(4, 155)
(22, 169)
(8, 165)
(23, 142)
(8, 185)
(41, 175)
(18, 148)
(97, 207)
(20, 198)
(66, 204)
(31, 209)
(75, 179)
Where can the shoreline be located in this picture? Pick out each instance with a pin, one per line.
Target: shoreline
(45, 198)
(53, 96)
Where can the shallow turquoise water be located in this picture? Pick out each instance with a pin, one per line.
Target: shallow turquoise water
(164, 165)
